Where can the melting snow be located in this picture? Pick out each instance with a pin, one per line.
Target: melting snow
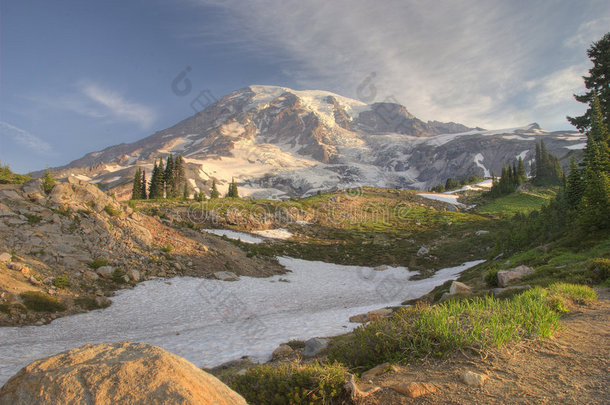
(576, 146)
(244, 237)
(478, 159)
(448, 198)
(279, 233)
(209, 322)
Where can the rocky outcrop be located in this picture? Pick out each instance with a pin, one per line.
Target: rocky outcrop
(120, 373)
(516, 273)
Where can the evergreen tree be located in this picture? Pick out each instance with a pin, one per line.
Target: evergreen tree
(136, 190)
(170, 182)
(152, 188)
(548, 170)
(48, 182)
(597, 82)
(185, 192)
(214, 193)
(594, 207)
(179, 178)
(161, 180)
(521, 171)
(574, 185)
(144, 194)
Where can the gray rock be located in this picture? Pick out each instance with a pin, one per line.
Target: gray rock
(281, 352)
(381, 268)
(134, 275)
(500, 291)
(314, 346)
(89, 275)
(473, 379)
(516, 273)
(423, 251)
(378, 314)
(459, 288)
(360, 318)
(226, 276)
(105, 271)
(5, 257)
(481, 232)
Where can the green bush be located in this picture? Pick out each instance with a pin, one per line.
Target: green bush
(296, 344)
(291, 384)
(89, 303)
(65, 211)
(41, 302)
(61, 282)
(113, 212)
(98, 262)
(471, 324)
(491, 278)
(600, 269)
(167, 248)
(33, 218)
(117, 276)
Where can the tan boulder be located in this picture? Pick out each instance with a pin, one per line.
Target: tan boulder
(120, 373)
(414, 389)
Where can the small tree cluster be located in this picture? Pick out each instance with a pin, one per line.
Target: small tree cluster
(509, 180)
(452, 184)
(547, 170)
(232, 192)
(48, 182)
(138, 191)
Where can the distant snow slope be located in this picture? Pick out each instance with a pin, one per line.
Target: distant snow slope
(277, 142)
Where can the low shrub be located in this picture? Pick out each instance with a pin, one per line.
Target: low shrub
(167, 248)
(41, 302)
(33, 218)
(296, 344)
(291, 384)
(599, 269)
(113, 212)
(61, 282)
(90, 303)
(97, 263)
(117, 276)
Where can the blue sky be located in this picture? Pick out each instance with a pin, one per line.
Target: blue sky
(77, 76)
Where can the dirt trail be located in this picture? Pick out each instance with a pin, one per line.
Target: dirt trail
(571, 368)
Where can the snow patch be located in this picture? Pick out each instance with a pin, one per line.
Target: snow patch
(244, 237)
(279, 233)
(225, 320)
(576, 146)
(478, 160)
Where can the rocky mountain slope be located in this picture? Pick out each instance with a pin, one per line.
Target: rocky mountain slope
(79, 245)
(277, 142)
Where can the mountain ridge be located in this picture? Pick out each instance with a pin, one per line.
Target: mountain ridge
(278, 142)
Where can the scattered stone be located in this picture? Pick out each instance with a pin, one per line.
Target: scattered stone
(105, 271)
(459, 288)
(134, 275)
(375, 371)
(473, 379)
(116, 373)
(381, 268)
(481, 232)
(516, 273)
(5, 257)
(354, 391)
(314, 346)
(34, 281)
(89, 275)
(360, 318)
(16, 266)
(498, 257)
(414, 389)
(500, 291)
(25, 271)
(226, 276)
(423, 251)
(281, 352)
(177, 266)
(378, 314)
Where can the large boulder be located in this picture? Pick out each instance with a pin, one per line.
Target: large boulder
(120, 373)
(505, 276)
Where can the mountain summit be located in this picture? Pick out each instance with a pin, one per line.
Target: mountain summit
(278, 142)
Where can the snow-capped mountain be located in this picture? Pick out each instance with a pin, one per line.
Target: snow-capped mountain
(278, 142)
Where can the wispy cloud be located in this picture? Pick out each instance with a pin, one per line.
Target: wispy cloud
(117, 106)
(468, 61)
(558, 86)
(24, 138)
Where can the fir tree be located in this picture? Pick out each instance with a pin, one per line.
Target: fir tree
(136, 190)
(170, 182)
(161, 180)
(152, 188)
(214, 192)
(179, 178)
(521, 171)
(232, 192)
(597, 83)
(48, 182)
(574, 185)
(185, 192)
(144, 194)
